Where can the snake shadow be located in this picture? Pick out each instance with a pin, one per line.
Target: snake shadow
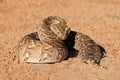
(70, 42)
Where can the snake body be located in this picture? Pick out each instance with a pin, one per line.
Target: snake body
(47, 46)
(88, 50)
(54, 40)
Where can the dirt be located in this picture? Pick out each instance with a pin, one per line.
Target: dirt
(99, 19)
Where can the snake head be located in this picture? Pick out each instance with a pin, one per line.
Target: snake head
(58, 26)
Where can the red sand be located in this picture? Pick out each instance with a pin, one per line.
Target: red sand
(99, 19)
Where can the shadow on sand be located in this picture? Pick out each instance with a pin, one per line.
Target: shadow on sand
(70, 42)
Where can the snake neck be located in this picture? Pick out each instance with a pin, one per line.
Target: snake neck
(47, 36)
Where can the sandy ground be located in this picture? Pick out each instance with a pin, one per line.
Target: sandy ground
(99, 19)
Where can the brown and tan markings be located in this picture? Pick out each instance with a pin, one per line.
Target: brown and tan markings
(88, 50)
(46, 45)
